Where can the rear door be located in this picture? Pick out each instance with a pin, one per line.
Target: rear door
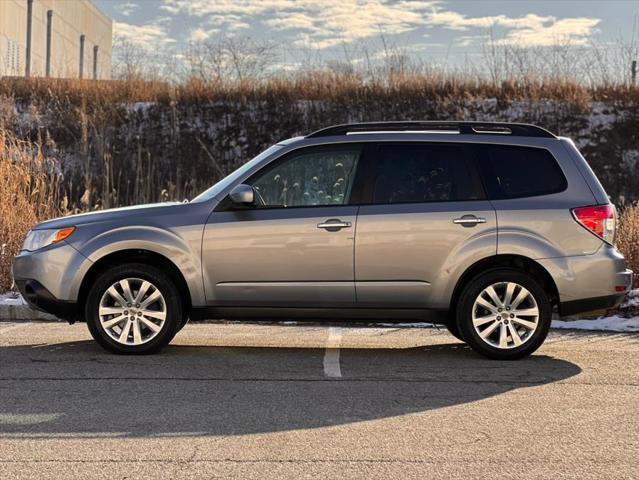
(426, 214)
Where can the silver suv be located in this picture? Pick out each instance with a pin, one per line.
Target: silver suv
(483, 227)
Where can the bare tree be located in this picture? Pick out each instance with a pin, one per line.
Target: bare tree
(129, 60)
(230, 59)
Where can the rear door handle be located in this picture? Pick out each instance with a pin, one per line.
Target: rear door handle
(469, 220)
(334, 224)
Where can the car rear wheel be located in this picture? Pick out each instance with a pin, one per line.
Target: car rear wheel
(133, 309)
(504, 314)
(453, 329)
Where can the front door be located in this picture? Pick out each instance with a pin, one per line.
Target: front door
(294, 247)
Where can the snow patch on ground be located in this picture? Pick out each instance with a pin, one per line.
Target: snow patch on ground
(632, 300)
(612, 324)
(11, 298)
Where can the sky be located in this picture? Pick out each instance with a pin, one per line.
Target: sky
(436, 31)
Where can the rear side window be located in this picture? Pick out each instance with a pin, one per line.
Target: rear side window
(415, 173)
(515, 172)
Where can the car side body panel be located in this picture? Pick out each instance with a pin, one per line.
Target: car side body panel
(543, 226)
(180, 245)
(171, 230)
(279, 257)
(416, 250)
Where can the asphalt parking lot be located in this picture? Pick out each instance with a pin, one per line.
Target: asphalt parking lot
(315, 401)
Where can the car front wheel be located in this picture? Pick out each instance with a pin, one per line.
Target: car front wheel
(133, 309)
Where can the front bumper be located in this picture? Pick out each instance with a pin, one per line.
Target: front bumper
(49, 279)
(58, 268)
(39, 298)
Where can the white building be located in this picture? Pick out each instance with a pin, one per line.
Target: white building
(54, 38)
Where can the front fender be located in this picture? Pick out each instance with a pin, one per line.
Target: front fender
(182, 250)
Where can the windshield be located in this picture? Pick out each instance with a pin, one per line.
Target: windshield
(216, 189)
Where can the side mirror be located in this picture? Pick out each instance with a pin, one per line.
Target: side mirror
(242, 195)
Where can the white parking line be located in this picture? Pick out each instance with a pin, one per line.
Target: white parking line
(331, 355)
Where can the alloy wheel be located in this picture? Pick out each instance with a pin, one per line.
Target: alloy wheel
(505, 315)
(132, 311)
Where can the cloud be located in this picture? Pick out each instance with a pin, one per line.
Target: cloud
(201, 34)
(467, 40)
(148, 36)
(314, 23)
(574, 31)
(457, 21)
(228, 22)
(326, 23)
(299, 21)
(525, 31)
(198, 34)
(127, 8)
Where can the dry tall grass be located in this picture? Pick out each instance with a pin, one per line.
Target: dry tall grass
(29, 190)
(125, 142)
(628, 238)
(311, 85)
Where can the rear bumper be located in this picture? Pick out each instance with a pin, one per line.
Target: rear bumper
(589, 282)
(39, 298)
(590, 304)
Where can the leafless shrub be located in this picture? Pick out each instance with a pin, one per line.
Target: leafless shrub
(628, 237)
(29, 189)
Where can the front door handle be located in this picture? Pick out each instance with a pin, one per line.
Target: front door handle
(469, 220)
(334, 224)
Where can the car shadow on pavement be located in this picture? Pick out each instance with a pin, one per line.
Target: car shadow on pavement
(75, 388)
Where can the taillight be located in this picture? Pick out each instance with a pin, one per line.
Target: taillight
(599, 219)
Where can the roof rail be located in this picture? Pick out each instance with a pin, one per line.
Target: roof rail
(465, 128)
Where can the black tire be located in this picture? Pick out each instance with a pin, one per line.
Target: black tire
(473, 290)
(185, 320)
(161, 281)
(451, 326)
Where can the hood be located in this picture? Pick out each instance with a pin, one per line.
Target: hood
(107, 215)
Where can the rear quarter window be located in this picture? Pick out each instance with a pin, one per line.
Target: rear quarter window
(516, 172)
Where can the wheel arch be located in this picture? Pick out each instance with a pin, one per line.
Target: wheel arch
(517, 262)
(143, 256)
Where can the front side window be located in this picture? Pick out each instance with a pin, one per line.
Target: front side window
(516, 172)
(220, 186)
(312, 177)
(412, 173)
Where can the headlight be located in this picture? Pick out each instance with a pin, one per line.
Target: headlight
(37, 239)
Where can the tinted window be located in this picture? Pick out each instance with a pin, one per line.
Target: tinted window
(314, 176)
(424, 173)
(513, 172)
